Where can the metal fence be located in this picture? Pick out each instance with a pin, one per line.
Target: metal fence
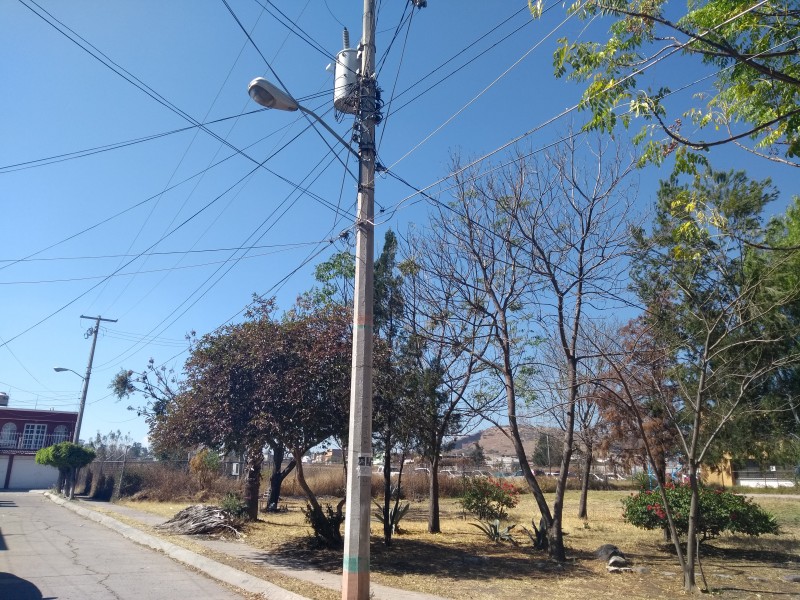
(771, 478)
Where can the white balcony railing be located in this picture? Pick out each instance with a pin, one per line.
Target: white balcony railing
(21, 441)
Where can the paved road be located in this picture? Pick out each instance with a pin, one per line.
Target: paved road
(49, 553)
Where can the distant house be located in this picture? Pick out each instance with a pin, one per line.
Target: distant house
(331, 456)
(22, 433)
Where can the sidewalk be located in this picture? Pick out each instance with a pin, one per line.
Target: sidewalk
(235, 549)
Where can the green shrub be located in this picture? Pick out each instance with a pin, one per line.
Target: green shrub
(489, 498)
(131, 483)
(326, 525)
(103, 488)
(205, 466)
(233, 504)
(720, 511)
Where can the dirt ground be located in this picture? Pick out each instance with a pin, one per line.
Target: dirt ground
(462, 563)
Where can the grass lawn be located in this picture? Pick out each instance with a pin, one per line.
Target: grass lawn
(463, 563)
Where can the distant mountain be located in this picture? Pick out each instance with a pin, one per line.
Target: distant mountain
(495, 443)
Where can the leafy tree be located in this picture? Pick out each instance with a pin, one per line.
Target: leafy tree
(67, 457)
(476, 455)
(157, 384)
(750, 51)
(541, 453)
(336, 278)
(440, 363)
(115, 444)
(205, 466)
(392, 418)
(272, 382)
(635, 397)
(723, 329)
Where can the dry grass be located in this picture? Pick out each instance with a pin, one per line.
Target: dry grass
(462, 563)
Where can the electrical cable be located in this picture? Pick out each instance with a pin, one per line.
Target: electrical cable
(136, 82)
(148, 271)
(655, 59)
(191, 192)
(292, 26)
(162, 253)
(233, 263)
(146, 200)
(396, 78)
(403, 20)
(57, 158)
(484, 90)
(470, 60)
(153, 245)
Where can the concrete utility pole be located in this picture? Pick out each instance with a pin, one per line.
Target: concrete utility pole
(356, 567)
(93, 332)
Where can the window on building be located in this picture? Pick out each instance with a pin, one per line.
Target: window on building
(8, 436)
(60, 434)
(33, 436)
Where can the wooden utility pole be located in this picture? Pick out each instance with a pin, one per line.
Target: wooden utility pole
(93, 332)
(356, 567)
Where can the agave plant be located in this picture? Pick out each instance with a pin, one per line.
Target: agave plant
(494, 532)
(396, 513)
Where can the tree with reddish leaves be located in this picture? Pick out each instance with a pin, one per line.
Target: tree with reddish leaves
(278, 382)
(645, 396)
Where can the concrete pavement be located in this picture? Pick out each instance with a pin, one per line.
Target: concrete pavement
(47, 552)
(236, 549)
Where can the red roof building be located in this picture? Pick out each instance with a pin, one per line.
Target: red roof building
(22, 433)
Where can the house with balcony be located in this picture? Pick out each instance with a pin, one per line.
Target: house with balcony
(24, 431)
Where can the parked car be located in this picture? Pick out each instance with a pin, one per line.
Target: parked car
(536, 473)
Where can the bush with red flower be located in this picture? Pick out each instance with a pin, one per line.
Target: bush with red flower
(720, 511)
(489, 498)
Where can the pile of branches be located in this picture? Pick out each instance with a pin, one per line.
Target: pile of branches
(201, 519)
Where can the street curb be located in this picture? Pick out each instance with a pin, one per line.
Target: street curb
(210, 567)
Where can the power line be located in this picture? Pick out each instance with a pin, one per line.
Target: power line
(233, 262)
(57, 158)
(484, 90)
(649, 63)
(149, 271)
(164, 253)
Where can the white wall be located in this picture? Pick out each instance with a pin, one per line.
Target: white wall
(27, 475)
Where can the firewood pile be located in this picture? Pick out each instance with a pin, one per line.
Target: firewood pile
(201, 519)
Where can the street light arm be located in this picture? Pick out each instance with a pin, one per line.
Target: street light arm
(62, 369)
(268, 95)
(319, 120)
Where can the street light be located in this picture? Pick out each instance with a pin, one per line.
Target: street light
(76, 434)
(62, 369)
(268, 95)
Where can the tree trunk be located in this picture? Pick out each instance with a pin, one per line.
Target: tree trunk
(73, 475)
(277, 476)
(387, 491)
(301, 480)
(587, 471)
(433, 495)
(689, 581)
(255, 459)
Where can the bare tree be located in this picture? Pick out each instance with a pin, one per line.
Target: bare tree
(531, 245)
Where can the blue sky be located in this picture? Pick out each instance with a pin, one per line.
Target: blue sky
(175, 233)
